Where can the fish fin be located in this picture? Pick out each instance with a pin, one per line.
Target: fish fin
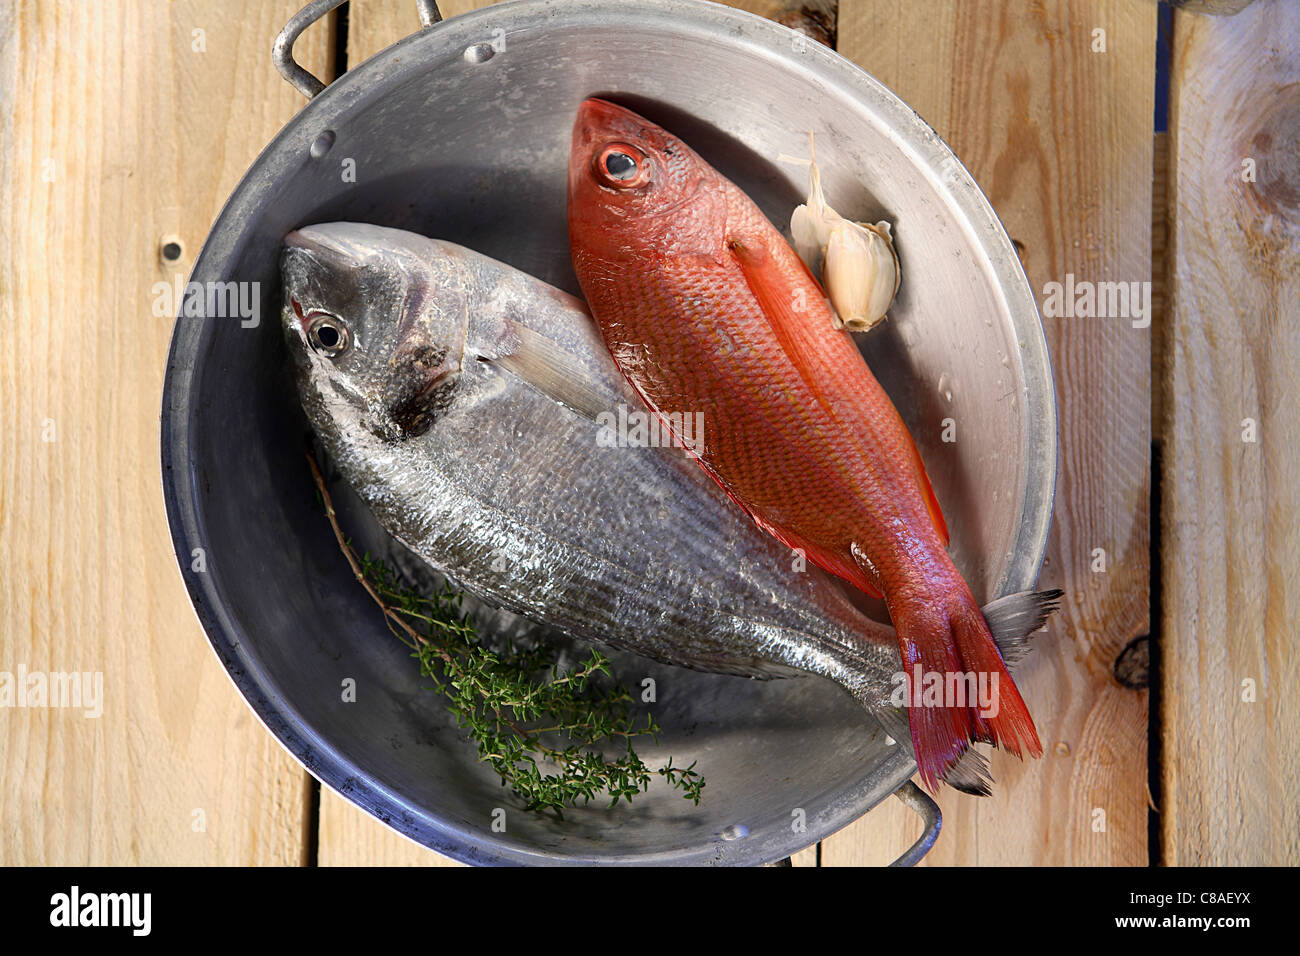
(931, 502)
(778, 299)
(952, 637)
(544, 365)
(969, 773)
(1012, 619)
(824, 558)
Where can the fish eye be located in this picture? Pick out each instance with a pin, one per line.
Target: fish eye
(328, 335)
(622, 166)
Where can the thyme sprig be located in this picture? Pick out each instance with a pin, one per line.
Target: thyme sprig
(545, 733)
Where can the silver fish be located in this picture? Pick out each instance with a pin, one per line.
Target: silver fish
(474, 409)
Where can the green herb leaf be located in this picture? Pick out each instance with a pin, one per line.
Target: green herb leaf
(516, 706)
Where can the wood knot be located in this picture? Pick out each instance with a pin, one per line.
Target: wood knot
(1268, 180)
(1133, 665)
(813, 20)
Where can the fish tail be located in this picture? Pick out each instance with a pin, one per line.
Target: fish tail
(1012, 621)
(969, 772)
(959, 688)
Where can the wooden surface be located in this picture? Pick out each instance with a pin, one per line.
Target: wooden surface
(1059, 137)
(117, 134)
(375, 24)
(1230, 508)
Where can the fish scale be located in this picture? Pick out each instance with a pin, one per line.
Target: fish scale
(673, 258)
(754, 469)
(509, 494)
(631, 547)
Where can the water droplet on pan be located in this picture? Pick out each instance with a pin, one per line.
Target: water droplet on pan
(322, 144)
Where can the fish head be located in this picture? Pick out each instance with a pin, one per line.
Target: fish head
(375, 320)
(636, 190)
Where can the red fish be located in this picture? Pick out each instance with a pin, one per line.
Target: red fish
(705, 307)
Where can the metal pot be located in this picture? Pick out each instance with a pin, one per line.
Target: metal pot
(461, 132)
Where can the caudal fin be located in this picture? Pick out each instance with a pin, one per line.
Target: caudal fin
(959, 689)
(1013, 619)
(969, 774)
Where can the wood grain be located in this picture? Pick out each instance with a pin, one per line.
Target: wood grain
(1231, 507)
(1059, 138)
(116, 133)
(348, 836)
(376, 24)
(1160, 225)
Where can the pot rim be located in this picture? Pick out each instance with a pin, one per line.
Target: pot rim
(357, 90)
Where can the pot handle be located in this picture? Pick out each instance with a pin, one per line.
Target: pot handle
(282, 52)
(917, 799)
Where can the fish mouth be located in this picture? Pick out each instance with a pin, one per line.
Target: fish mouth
(297, 276)
(400, 296)
(308, 258)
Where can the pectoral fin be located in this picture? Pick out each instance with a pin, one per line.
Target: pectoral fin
(545, 366)
(824, 558)
(783, 302)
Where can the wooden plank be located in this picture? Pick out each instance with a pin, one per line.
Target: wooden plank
(376, 24)
(348, 836)
(1230, 781)
(807, 857)
(1059, 137)
(116, 130)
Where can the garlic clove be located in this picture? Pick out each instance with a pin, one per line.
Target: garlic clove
(806, 231)
(885, 232)
(860, 272)
(811, 223)
(857, 261)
